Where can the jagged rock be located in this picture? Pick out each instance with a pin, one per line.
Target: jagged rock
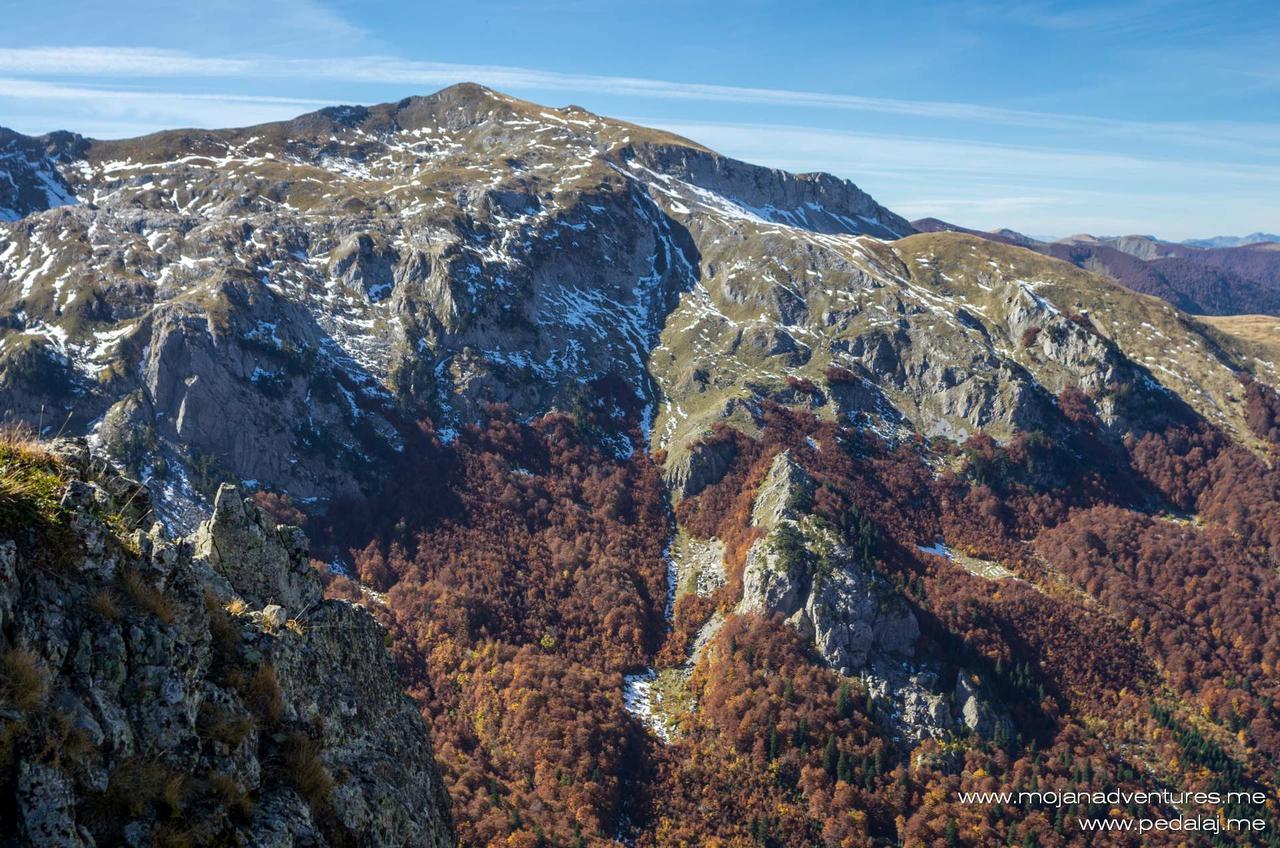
(264, 563)
(702, 465)
(909, 699)
(8, 583)
(850, 617)
(783, 495)
(152, 679)
(46, 807)
(976, 712)
(283, 820)
(769, 585)
(366, 261)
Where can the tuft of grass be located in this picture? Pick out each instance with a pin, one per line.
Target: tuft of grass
(30, 496)
(237, 606)
(22, 439)
(23, 681)
(225, 633)
(261, 692)
(306, 770)
(295, 627)
(139, 787)
(148, 597)
(11, 735)
(228, 791)
(220, 725)
(104, 604)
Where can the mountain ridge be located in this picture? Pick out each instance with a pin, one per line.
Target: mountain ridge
(1204, 280)
(700, 501)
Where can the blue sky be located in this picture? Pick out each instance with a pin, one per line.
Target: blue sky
(1052, 118)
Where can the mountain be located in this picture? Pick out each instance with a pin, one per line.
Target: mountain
(312, 281)
(701, 503)
(1005, 236)
(1233, 241)
(1202, 281)
(34, 181)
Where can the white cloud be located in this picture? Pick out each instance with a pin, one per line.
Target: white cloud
(1035, 189)
(114, 113)
(387, 70)
(1078, 179)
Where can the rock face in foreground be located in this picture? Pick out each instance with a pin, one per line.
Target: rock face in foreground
(190, 692)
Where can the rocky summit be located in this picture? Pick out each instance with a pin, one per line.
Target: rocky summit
(657, 498)
(273, 304)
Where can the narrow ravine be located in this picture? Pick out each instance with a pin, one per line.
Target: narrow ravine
(637, 689)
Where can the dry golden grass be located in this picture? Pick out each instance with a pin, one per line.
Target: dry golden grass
(306, 770)
(1261, 331)
(261, 692)
(228, 790)
(219, 725)
(225, 633)
(21, 439)
(138, 784)
(30, 487)
(148, 597)
(104, 604)
(23, 681)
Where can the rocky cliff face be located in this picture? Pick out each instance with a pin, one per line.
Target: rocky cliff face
(274, 306)
(33, 181)
(189, 691)
(858, 624)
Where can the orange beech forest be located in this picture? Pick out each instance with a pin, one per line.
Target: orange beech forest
(521, 572)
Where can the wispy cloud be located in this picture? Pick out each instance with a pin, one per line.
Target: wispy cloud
(989, 185)
(139, 63)
(117, 112)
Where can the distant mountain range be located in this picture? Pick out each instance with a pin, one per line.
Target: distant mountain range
(1197, 277)
(1232, 241)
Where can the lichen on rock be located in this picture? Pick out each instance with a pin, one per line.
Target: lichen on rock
(149, 695)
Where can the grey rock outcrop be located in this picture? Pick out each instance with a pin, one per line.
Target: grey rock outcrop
(148, 697)
(858, 624)
(783, 495)
(804, 573)
(264, 563)
(702, 465)
(770, 585)
(976, 712)
(851, 617)
(841, 606)
(909, 699)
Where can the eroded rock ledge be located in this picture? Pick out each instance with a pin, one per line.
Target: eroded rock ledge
(193, 691)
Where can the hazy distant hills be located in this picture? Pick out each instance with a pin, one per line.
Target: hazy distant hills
(1233, 241)
(1205, 277)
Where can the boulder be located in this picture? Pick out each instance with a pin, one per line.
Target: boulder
(263, 563)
